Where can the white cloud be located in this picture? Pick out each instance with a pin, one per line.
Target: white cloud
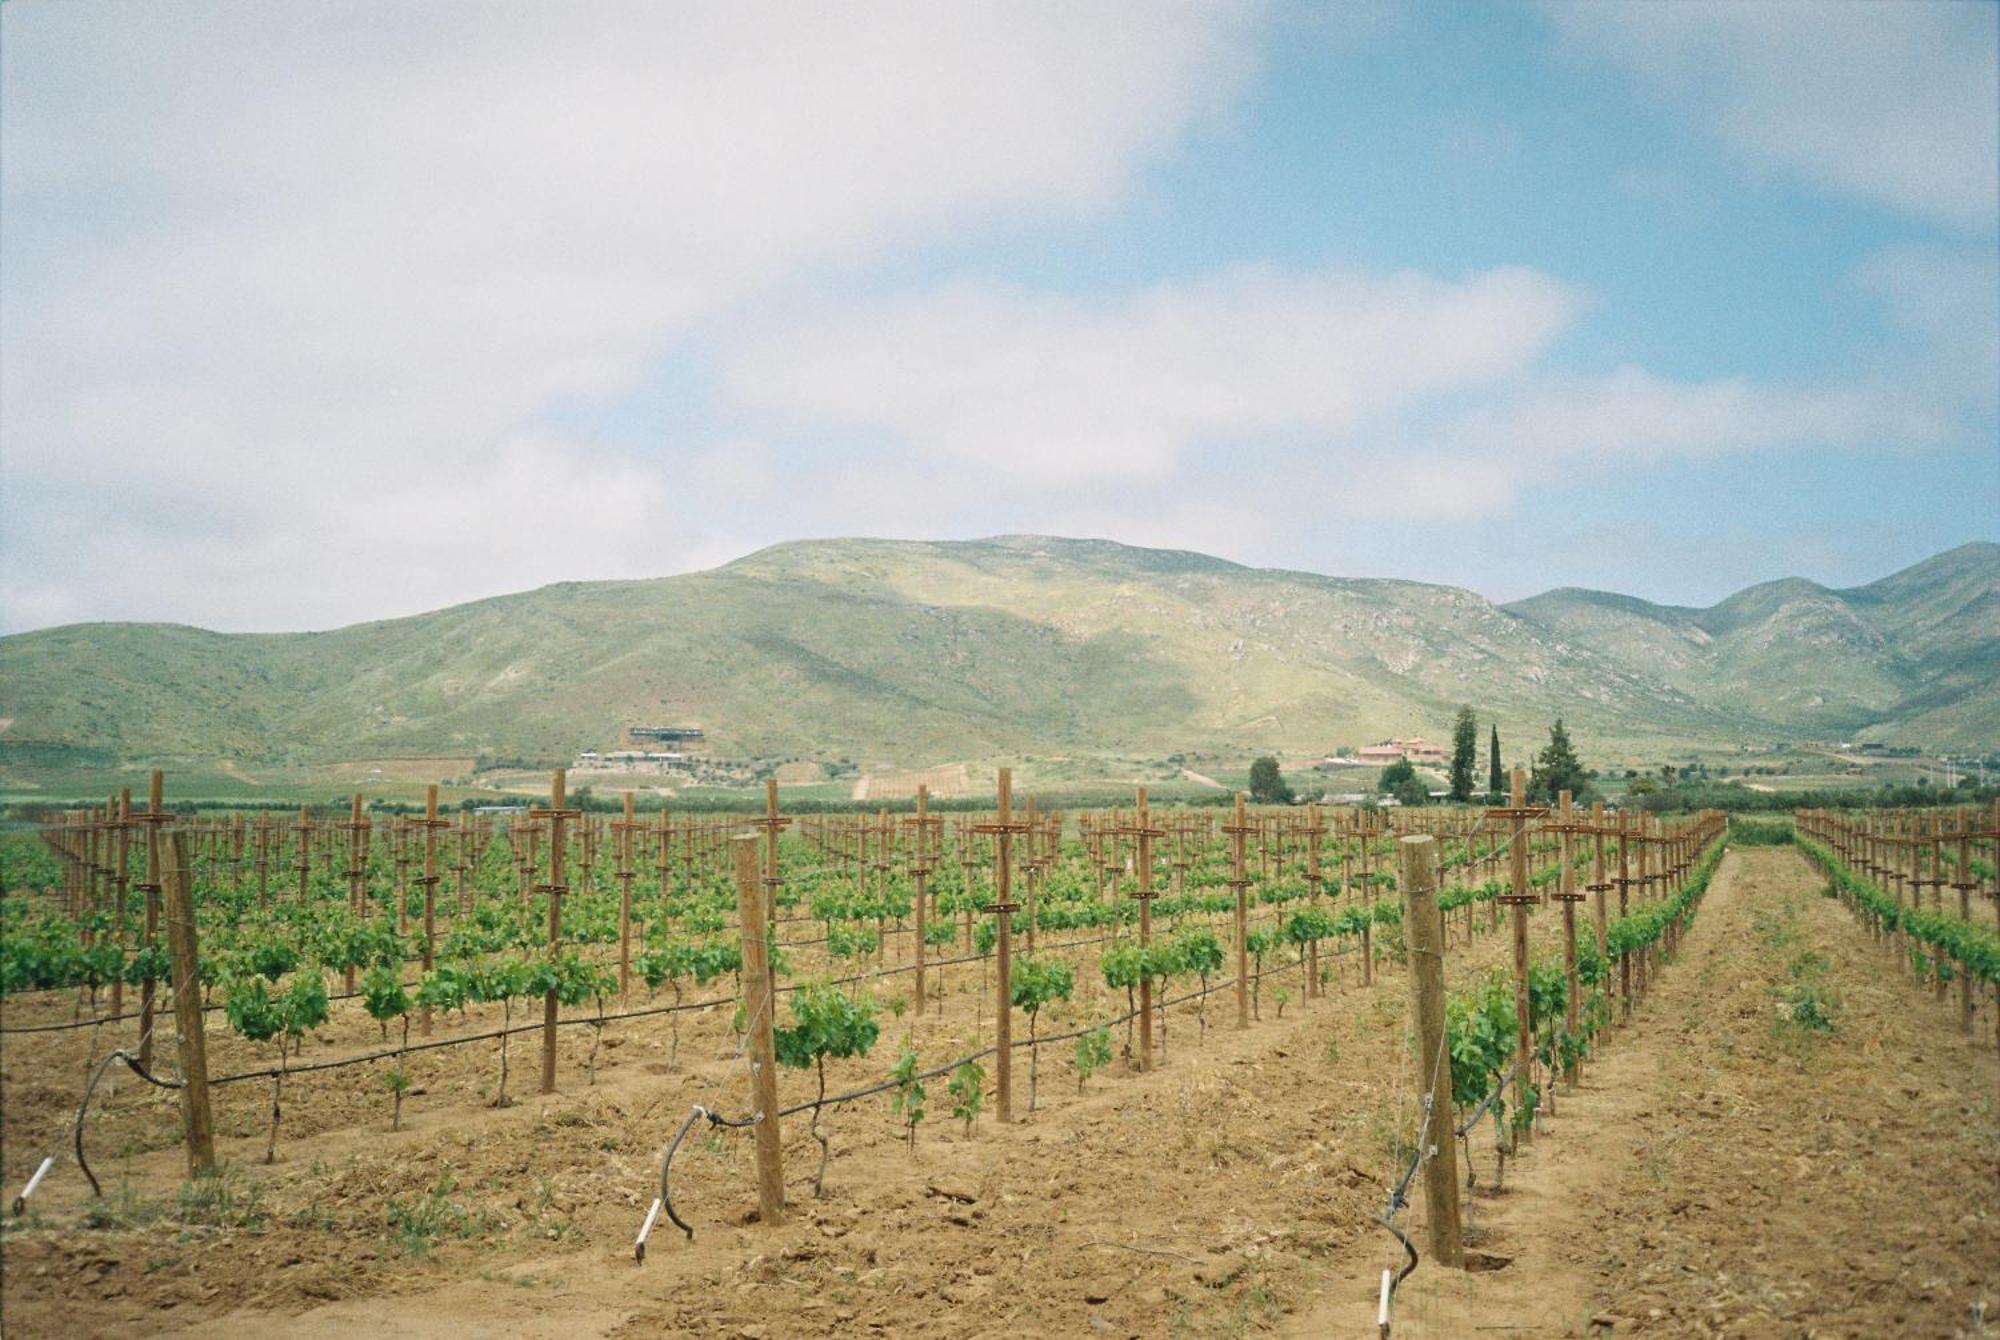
(1398, 396)
(1894, 103)
(1030, 391)
(1633, 417)
(1946, 301)
(294, 250)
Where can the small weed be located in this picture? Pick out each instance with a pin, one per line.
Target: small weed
(225, 1200)
(1805, 1007)
(314, 1217)
(124, 1207)
(416, 1226)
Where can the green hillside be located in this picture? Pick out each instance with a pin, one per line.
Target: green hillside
(905, 652)
(1912, 658)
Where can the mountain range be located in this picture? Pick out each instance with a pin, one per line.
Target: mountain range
(917, 652)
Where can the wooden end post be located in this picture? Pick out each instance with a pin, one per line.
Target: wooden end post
(1423, 926)
(187, 1012)
(759, 1007)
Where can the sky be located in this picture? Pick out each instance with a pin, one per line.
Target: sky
(323, 312)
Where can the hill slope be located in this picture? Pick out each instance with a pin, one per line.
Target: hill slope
(911, 652)
(1914, 656)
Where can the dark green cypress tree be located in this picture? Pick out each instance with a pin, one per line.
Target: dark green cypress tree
(1496, 783)
(1464, 751)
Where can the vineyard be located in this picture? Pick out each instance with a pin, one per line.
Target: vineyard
(1140, 1070)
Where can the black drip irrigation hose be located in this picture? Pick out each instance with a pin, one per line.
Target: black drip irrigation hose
(883, 1086)
(76, 1134)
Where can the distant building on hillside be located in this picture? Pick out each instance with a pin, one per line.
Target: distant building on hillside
(1416, 749)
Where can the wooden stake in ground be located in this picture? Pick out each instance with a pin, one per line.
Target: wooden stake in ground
(773, 824)
(430, 824)
(626, 829)
(303, 865)
(1517, 812)
(121, 879)
(1238, 829)
(1003, 828)
(1142, 829)
(1313, 884)
(1367, 901)
(1624, 883)
(1033, 869)
(558, 818)
(923, 828)
(155, 815)
(188, 1014)
(758, 1009)
(356, 827)
(1423, 929)
(1567, 894)
(1598, 883)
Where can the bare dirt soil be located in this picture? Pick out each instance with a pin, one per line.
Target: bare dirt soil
(1844, 1181)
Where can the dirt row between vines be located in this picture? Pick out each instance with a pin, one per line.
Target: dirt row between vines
(1726, 1172)
(1211, 1196)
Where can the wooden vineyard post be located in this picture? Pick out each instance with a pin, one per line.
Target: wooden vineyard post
(1142, 829)
(966, 862)
(1312, 895)
(357, 868)
(400, 836)
(773, 824)
(1567, 894)
(461, 861)
(1367, 903)
(1624, 883)
(431, 824)
(303, 865)
(625, 829)
(1239, 883)
(1517, 812)
(1598, 883)
(187, 1012)
(664, 836)
(759, 1009)
(885, 831)
(921, 828)
(558, 818)
(1033, 870)
(1003, 828)
(1423, 926)
(121, 878)
(154, 816)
